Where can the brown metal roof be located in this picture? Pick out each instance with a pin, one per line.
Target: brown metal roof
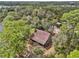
(41, 36)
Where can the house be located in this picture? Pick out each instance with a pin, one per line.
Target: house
(41, 37)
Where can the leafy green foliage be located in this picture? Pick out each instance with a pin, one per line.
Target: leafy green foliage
(59, 56)
(73, 54)
(70, 20)
(38, 51)
(70, 27)
(12, 38)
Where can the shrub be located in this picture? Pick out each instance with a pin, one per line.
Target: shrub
(73, 54)
(38, 51)
(15, 15)
(71, 20)
(59, 56)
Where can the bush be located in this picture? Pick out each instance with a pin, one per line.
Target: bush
(15, 15)
(70, 20)
(12, 38)
(59, 56)
(73, 54)
(38, 51)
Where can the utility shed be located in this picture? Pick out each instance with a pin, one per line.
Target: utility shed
(41, 37)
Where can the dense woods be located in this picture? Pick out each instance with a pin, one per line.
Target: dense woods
(20, 20)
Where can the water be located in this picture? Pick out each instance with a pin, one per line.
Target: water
(1, 27)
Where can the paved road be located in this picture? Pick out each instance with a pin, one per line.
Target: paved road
(1, 27)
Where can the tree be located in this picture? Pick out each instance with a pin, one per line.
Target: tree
(70, 20)
(12, 38)
(70, 24)
(70, 27)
